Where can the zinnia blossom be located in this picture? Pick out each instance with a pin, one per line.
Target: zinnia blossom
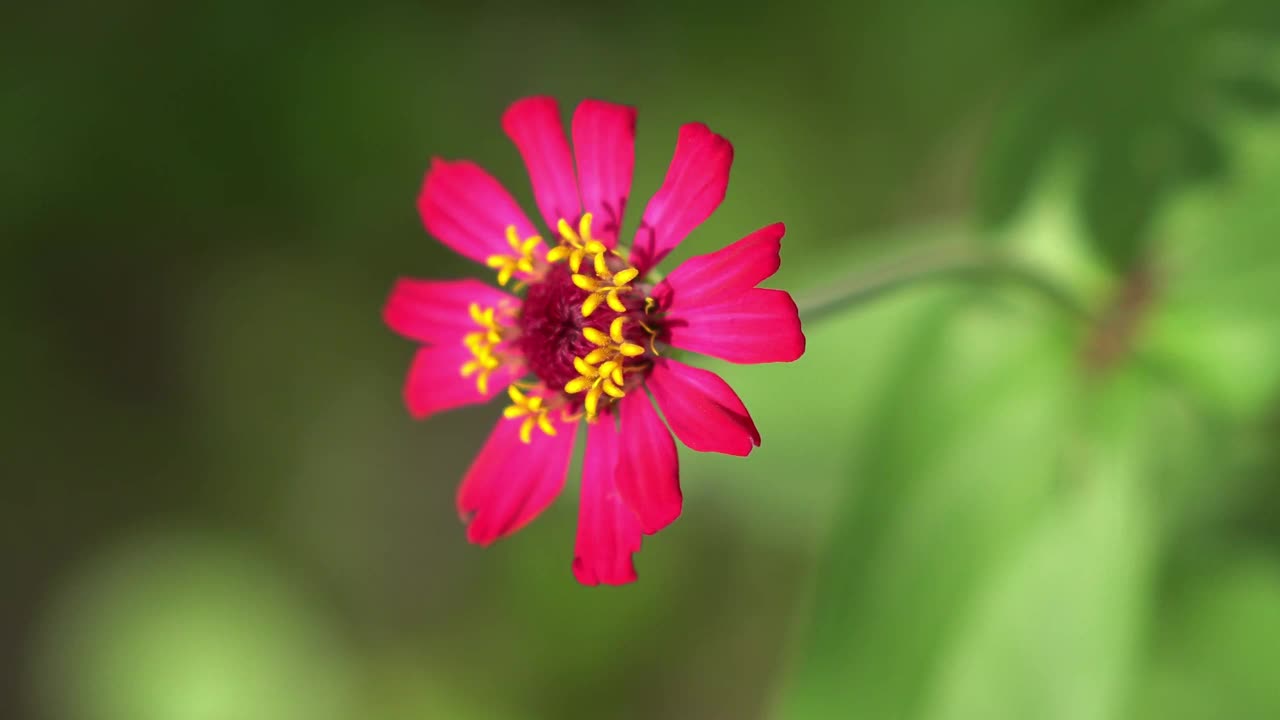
(584, 328)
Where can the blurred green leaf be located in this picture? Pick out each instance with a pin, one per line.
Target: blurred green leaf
(1138, 96)
(188, 628)
(1218, 645)
(1254, 90)
(1214, 323)
(995, 557)
(1000, 545)
(402, 687)
(953, 467)
(1055, 632)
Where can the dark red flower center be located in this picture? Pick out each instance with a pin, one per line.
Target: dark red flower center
(551, 328)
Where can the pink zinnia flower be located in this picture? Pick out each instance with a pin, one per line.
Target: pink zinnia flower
(585, 328)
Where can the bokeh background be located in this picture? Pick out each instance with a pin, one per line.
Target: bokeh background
(1028, 467)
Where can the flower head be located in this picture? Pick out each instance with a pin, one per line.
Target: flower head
(583, 331)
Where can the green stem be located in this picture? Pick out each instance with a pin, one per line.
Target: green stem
(954, 263)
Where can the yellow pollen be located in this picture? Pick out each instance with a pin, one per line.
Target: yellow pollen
(481, 344)
(601, 372)
(522, 260)
(531, 408)
(577, 245)
(492, 331)
(484, 363)
(615, 341)
(606, 289)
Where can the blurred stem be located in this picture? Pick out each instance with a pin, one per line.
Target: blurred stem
(963, 263)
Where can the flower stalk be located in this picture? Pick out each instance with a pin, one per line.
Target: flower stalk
(949, 263)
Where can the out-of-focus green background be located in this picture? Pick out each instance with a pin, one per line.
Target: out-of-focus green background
(1044, 483)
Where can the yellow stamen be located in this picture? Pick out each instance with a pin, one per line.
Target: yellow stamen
(605, 290)
(603, 370)
(531, 408)
(592, 402)
(566, 231)
(623, 277)
(481, 343)
(583, 367)
(522, 260)
(607, 369)
(607, 379)
(613, 343)
(590, 304)
(490, 335)
(485, 364)
(558, 253)
(578, 245)
(601, 263)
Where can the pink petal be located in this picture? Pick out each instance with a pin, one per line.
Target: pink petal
(604, 140)
(695, 184)
(704, 279)
(534, 125)
(648, 474)
(439, 311)
(608, 532)
(435, 381)
(510, 482)
(754, 326)
(702, 410)
(467, 210)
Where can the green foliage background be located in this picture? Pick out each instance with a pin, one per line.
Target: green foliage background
(1041, 484)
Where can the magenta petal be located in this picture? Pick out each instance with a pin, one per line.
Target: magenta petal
(435, 381)
(648, 475)
(439, 311)
(466, 209)
(510, 482)
(754, 326)
(534, 125)
(703, 411)
(604, 140)
(695, 184)
(706, 279)
(608, 532)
